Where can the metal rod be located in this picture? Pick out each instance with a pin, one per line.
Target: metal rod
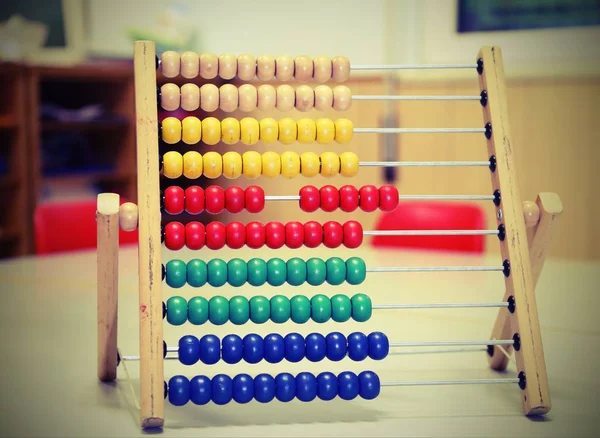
(452, 343)
(435, 269)
(438, 351)
(438, 306)
(418, 130)
(412, 67)
(401, 197)
(430, 233)
(387, 97)
(424, 163)
(453, 382)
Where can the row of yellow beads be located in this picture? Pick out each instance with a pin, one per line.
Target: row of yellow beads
(253, 164)
(249, 131)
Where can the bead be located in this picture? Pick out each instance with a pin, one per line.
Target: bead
(211, 132)
(234, 199)
(284, 68)
(310, 164)
(210, 349)
(353, 237)
(388, 198)
(344, 130)
(176, 310)
(356, 270)
(216, 235)
(198, 310)
(221, 389)
(325, 131)
(200, 390)
(169, 97)
(230, 130)
(310, 199)
(330, 198)
(265, 67)
(323, 98)
(228, 98)
(179, 390)
(276, 272)
(316, 271)
(128, 216)
(255, 235)
(349, 198)
(269, 130)
(320, 308)
(296, 271)
(239, 306)
(171, 130)
(267, 97)
(197, 273)
(251, 164)
(253, 348)
(216, 274)
(249, 131)
(274, 235)
(379, 346)
(348, 385)
(189, 350)
(260, 308)
(213, 165)
(194, 200)
(257, 272)
(316, 347)
(264, 388)
(274, 348)
(227, 66)
(285, 387)
(172, 165)
(190, 97)
(242, 388)
(307, 130)
(336, 271)
(299, 309)
(290, 164)
(169, 64)
(192, 130)
(330, 164)
(174, 200)
(214, 199)
(303, 68)
(358, 346)
(248, 98)
(313, 234)
(294, 234)
(294, 347)
(174, 236)
(246, 67)
(176, 274)
(209, 65)
(369, 385)
(342, 98)
(349, 164)
(218, 307)
(232, 165)
(327, 386)
(192, 165)
(285, 99)
(333, 234)
(340, 69)
(209, 98)
(322, 69)
(237, 272)
(232, 349)
(336, 346)
(254, 199)
(305, 98)
(361, 308)
(341, 308)
(369, 198)
(288, 130)
(306, 387)
(190, 65)
(271, 164)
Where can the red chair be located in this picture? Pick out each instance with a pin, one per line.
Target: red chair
(433, 216)
(69, 226)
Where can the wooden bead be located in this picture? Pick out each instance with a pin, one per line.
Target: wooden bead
(230, 130)
(209, 97)
(348, 164)
(171, 130)
(342, 98)
(249, 130)
(227, 66)
(286, 98)
(248, 97)
(307, 130)
(190, 97)
(284, 68)
(288, 130)
(265, 67)
(304, 68)
(310, 164)
(211, 131)
(169, 97)
(228, 98)
(191, 128)
(246, 67)
(290, 164)
(192, 165)
(209, 65)
(340, 69)
(322, 69)
(325, 131)
(271, 164)
(128, 216)
(344, 130)
(269, 130)
(169, 64)
(190, 65)
(267, 97)
(531, 212)
(172, 165)
(213, 165)
(232, 165)
(305, 98)
(251, 164)
(330, 164)
(323, 98)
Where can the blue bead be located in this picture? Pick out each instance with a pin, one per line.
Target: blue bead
(200, 390)
(264, 388)
(369, 385)
(316, 347)
(274, 348)
(222, 389)
(189, 350)
(232, 349)
(327, 386)
(306, 387)
(179, 390)
(285, 387)
(358, 346)
(294, 347)
(254, 349)
(210, 349)
(336, 346)
(243, 388)
(379, 346)
(348, 385)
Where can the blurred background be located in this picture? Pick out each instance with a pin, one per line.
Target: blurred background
(67, 118)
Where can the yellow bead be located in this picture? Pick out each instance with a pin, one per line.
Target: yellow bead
(290, 164)
(172, 165)
(343, 131)
(348, 164)
(307, 131)
(213, 165)
(211, 131)
(251, 164)
(271, 164)
(269, 130)
(232, 165)
(325, 131)
(330, 164)
(249, 130)
(288, 131)
(230, 130)
(171, 130)
(310, 164)
(192, 165)
(192, 130)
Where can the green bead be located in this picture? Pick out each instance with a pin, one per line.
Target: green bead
(176, 310)
(356, 270)
(280, 309)
(316, 271)
(276, 271)
(197, 273)
(198, 310)
(260, 309)
(176, 273)
(239, 310)
(361, 308)
(218, 310)
(300, 309)
(341, 308)
(237, 272)
(217, 272)
(296, 271)
(320, 308)
(336, 271)
(257, 272)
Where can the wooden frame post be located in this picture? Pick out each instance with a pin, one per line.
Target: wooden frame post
(149, 246)
(523, 320)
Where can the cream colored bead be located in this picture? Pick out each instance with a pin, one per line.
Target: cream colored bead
(190, 97)
(322, 69)
(323, 98)
(190, 65)
(128, 216)
(169, 97)
(342, 98)
(228, 98)
(284, 68)
(246, 67)
(169, 64)
(267, 97)
(209, 65)
(248, 97)
(286, 98)
(341, 68)
(209, 97)
(305, 98)
(303, 68)
(227, 66)
(265, 67)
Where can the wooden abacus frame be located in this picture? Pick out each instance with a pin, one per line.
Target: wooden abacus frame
(528, 227)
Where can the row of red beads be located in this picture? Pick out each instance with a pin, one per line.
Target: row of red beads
(213, 199)
(348, 198)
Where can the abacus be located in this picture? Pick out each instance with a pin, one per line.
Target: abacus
(523, 231)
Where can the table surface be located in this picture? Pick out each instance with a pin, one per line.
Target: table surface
(49, 385)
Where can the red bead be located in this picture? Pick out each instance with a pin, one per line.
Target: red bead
(369, 198)
(333, 234)
(330, 198)
(275, 234)
(255, 199)
(348, 198)
(313, 234)
(294, 234)
(310, 199)
(194, 199)
(174, 200)
(388, 198)
(236, 235)
(353, 234)
(215, 235)
(174, 236)
(234, 199)
(255, 235)
(195, 235)
(215, 199)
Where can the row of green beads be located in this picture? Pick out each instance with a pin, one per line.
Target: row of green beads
(257, 272)
(259, 309)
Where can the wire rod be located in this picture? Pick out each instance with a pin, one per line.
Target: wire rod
(436, 269)
(430, 233)
(412, 66)
(387, 97)
(418, 130)
(452, 382)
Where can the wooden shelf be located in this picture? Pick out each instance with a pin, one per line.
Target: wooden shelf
(93, 71)
(107, 176)
(100, 125)
(8, 121)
